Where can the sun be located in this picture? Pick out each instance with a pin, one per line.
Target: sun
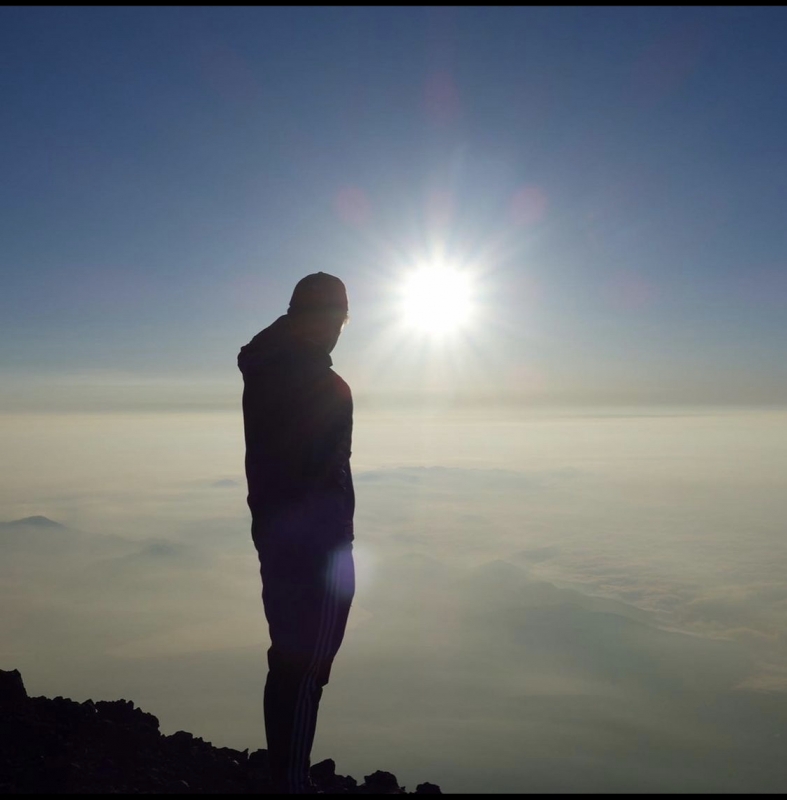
(437, 299)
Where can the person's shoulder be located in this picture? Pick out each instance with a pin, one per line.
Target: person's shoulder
(341, 386)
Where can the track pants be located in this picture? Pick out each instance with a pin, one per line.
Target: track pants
(307, 595)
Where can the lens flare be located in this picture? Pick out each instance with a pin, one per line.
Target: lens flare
(437, 300)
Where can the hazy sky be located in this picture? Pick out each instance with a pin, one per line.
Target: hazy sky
(615, 178)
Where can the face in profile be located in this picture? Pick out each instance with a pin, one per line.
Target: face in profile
(335, 328)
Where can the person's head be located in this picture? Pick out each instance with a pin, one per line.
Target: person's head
(318, 309)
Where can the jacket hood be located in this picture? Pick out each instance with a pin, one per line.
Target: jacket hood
(277, 342)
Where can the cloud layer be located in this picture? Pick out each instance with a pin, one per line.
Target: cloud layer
(575, 603)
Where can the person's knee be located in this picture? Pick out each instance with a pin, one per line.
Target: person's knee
(290, 669)
(288, 662)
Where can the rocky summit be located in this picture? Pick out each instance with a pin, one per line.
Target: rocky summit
(62, 746)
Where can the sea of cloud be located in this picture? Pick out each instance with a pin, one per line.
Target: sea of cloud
(548, 600)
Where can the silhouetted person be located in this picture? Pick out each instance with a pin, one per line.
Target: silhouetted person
(297, 417)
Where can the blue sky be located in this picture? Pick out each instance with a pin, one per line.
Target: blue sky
(614, 179)
(617, 176)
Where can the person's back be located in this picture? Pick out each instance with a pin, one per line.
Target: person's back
(297, 416)
(298, 426)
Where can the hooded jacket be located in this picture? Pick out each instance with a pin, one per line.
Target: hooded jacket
(297, 418)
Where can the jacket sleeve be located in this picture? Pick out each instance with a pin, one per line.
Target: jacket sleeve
(298, 437)
(326, 422)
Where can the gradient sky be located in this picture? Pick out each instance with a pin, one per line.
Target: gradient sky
(550, 598)
(616, 178)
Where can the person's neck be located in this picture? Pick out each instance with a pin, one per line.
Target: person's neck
(310, 337)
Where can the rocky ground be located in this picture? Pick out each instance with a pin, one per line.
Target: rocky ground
(61, 746)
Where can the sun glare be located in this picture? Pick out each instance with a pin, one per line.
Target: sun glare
(437, 299)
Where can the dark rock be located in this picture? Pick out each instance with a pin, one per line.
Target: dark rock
(326, 781)
(181, 739)
(111, 747)
(323, 772)
(258, 759)
(13, 694)
(233, 755)
(123, 712)
(381, 783)
(257, 775)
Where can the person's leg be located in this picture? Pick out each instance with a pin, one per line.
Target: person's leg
(307, 602)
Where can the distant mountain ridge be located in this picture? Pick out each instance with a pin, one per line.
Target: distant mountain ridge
(36, 521)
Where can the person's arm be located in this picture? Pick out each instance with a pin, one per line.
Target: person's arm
(327, 421)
